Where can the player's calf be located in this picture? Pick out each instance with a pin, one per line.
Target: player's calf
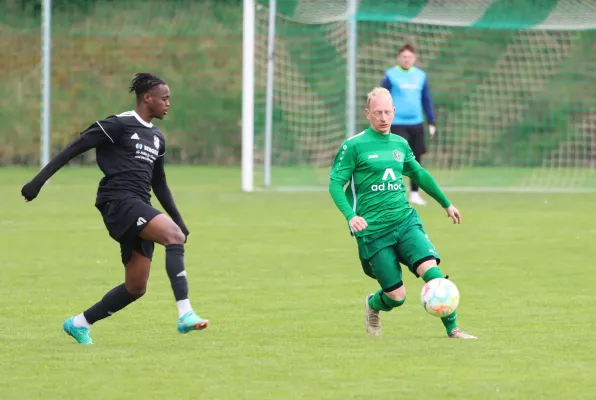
(429, 270)
(176, 271)
(133, 288)
(163, 230)
(383, 300)
(113, 301)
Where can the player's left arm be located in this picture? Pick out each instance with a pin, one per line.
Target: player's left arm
(164, 195)
(427, 182)
(386, 82)
(98, 134)
(427, 106)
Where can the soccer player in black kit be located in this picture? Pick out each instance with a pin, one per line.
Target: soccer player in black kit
(130, 150)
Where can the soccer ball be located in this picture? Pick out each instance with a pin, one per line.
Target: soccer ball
(439, 297)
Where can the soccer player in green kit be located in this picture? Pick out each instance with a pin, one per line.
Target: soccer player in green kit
(366, 185)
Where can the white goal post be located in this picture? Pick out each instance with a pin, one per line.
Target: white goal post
(248, 85)
(248, 99)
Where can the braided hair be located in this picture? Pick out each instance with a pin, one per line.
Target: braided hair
(144, 82)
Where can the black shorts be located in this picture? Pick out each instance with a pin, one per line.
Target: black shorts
(125, 218)
(414, 134)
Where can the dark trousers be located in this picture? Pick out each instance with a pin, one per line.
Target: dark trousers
(414, 134)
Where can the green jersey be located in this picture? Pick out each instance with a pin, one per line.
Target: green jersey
(368, 171)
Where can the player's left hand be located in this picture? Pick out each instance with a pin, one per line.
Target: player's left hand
(454, 214)
(30, 191)
(432, 129)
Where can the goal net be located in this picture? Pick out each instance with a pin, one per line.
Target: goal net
(512, 85)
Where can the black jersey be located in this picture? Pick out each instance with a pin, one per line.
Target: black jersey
(129, 150)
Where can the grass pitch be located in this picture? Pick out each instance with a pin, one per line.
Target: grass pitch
(278, 276)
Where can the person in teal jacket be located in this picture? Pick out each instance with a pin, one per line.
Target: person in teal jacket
(410, 91)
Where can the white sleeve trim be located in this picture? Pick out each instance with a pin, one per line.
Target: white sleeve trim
(161, 155)
(104, 131)
(352, 137)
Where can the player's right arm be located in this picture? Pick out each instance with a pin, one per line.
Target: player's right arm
(343, 168)
(96, 135)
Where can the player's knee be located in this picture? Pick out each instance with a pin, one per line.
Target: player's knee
(398, 294)
(137, 288)
(424, 265)
(174, 235)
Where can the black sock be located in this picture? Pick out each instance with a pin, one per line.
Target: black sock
(113, 301)
(175, 270)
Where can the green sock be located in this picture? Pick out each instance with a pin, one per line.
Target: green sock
(450, 321)
(381, 302)
(432, 273)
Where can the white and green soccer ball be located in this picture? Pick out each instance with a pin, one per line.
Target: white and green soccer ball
(439, 297)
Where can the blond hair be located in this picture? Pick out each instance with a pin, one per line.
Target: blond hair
(378, 91)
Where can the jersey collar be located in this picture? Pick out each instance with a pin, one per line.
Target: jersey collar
(141, 121)
(378, 135)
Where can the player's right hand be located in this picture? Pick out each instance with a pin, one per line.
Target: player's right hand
(358, 224)
(30, 191)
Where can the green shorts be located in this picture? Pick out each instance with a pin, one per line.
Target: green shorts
(407, 244)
